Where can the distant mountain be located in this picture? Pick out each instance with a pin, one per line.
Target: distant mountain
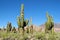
(42, 27)
(56, 25)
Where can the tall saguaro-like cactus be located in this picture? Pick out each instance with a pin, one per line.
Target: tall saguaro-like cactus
(49, 25)
(21, 22)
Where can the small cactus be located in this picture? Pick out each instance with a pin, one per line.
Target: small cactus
(14, 30)
(9, 27)
(31, 29)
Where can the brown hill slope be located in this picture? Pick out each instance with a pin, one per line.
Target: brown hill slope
(56, 27)
(42, 27)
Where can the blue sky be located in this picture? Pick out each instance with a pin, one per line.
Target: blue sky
(10, 9)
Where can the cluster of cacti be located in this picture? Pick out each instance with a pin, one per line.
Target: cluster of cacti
(9, 27)
(49, 24)
(14, 30)
(21, 22)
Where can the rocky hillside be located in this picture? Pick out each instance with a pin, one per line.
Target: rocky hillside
(56, 27)
(41, 27)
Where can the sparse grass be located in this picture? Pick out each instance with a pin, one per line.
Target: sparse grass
(35, 35)
(40, 36)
